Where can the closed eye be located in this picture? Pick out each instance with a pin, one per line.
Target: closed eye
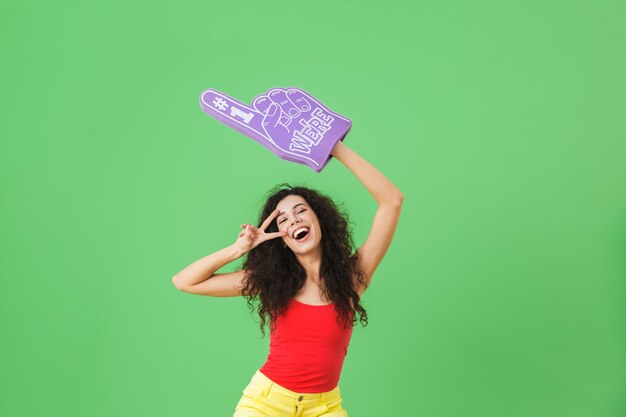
(282, 220)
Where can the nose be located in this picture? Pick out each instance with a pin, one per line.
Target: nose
(296, 220)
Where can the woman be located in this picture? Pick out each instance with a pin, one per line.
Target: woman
(301, 267)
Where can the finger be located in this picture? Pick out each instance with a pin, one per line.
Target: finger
(272, 115)
(305, 102)
(269, 110)
(235, 114)
(226, 108)
(279, 96)
(272, 118)
(297, 97)
(269, 219)
(263, 104)
(276, 234)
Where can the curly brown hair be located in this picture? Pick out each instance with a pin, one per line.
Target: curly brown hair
(274, 275)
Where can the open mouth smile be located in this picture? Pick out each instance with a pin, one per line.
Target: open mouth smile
(301, 234)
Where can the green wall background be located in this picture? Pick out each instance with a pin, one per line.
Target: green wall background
(503, 293)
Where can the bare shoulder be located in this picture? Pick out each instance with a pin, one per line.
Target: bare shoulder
(229, 284)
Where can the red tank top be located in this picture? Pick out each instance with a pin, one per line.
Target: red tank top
(307, 348)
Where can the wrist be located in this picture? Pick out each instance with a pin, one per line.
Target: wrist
(236, 252)
(337, 148)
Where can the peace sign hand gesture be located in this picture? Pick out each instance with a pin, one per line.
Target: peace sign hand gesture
(251, 237)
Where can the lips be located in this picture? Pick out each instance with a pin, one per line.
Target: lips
(304, 239)
(300, 231)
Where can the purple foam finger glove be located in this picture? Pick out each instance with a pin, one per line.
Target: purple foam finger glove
(288, 121)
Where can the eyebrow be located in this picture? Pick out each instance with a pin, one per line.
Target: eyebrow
(282, 212)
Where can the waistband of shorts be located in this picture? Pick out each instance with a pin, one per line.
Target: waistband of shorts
(268, 386)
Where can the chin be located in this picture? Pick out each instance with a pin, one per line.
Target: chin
(306, 248)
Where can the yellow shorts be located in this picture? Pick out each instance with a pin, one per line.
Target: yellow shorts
(262, 397)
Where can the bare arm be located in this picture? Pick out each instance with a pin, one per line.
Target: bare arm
(383, 190)
(389, 199)
(200, 277)
(204, 268)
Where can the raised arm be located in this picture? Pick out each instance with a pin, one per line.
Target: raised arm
(389, 199)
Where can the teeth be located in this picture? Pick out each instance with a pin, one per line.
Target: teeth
(297, 230)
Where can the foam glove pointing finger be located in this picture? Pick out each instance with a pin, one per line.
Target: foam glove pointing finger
(288, 121)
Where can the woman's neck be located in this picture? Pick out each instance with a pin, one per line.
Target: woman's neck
(311, 264)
